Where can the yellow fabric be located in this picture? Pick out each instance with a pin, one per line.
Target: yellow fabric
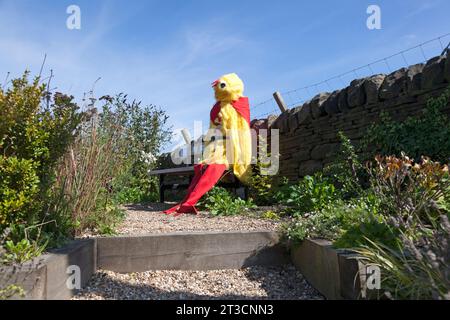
(237, 145)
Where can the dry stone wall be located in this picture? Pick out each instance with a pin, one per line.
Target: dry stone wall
(308, 133)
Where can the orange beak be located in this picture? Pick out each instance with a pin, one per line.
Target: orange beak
(215, 83)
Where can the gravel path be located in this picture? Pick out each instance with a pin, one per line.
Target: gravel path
(149, 219)
(251, 283)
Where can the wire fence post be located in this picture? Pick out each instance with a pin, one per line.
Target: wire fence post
(280, 102)
(186, 136)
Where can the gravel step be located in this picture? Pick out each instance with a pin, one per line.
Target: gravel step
(149, 219)
(257, 282)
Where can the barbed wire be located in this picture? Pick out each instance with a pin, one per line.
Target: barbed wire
(300, 95)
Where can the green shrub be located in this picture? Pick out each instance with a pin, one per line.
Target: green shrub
(218, 201)
(19, 186)
(332, 220)
(425, 135)
(261, 188)
(262, 183)
(310, 194)
(36, 129)
(21, 251)
(144, 132)
(346, 171)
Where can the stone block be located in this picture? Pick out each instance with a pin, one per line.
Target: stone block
(305, 113)
(309, 167)
(433, 72)
(372, 87)
(356, 94)
(447, 67)
(331, 104)
(323, 151)
(414, 78)
(342, 100)
(317, 109)
(394, 85)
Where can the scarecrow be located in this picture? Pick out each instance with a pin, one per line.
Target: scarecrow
(228, 144)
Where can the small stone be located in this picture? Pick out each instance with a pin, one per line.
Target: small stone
(258, 282)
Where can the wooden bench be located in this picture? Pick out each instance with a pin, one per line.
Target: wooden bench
(189, 171)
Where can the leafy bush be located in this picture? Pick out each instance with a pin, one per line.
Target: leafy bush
(36, 129)
(19, 185)
(144, 132)
(331, 221)
(310, 194)
(346, 171)
(261, 188)
(218, 201)
(21, 251)
(426, 135)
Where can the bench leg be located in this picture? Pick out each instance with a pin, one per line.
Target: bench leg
(161, 188)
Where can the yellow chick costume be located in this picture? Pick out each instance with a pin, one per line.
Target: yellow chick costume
(231, 147)
(230, 119)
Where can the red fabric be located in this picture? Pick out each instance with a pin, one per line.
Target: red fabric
(201, 184)
(241, 105)
(243, 108)
(214, 112)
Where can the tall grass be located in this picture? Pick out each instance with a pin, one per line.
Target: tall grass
(86, 174)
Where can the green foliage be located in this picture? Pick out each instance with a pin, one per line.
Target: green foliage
(346, 171)
(105, 221)
(426, 135)
(144, 132)
(10, 291)
(262, 183)
(332, 220)
(310, 194)
(19, 185)
(419, 269)
(270, 215)
(65, 171)
(261, 188)
(21, 251)
(108, 164)
(218, 201)
(36, 129)
(357, 234)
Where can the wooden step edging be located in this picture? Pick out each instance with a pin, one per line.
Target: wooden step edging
(55, 275)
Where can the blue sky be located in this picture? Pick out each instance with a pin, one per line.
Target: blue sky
(168, 52)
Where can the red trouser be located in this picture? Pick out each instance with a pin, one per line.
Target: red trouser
(201, 184)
